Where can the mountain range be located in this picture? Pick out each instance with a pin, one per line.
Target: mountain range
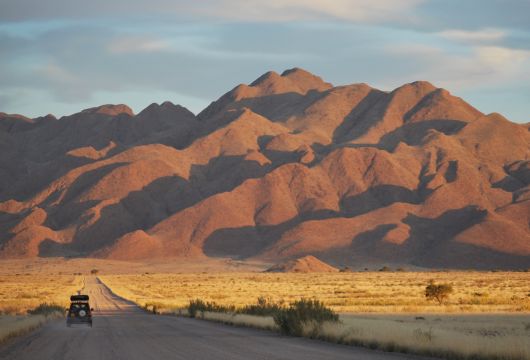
(285, 167)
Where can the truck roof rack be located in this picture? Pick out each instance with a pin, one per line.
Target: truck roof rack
(79, 298)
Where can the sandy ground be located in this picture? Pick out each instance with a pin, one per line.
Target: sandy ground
(123, 331)
(85, 265)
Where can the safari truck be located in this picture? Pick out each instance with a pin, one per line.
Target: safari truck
(79, 311)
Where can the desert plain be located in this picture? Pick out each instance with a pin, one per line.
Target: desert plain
(487, 316)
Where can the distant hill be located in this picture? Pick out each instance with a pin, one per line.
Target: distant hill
(306, 264)
(286, 166)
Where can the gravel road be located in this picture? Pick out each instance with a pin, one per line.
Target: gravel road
(123, 331)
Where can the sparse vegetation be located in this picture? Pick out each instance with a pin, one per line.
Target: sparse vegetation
(444, 336)
(197, 305)
(12, 326)
(22, 293)
(290, 320)
(439, 292)
(28, 301)
(47, 309)
(301, 314)
(472, 337)
(360, 292)
(263, 307)
(450, 336)
(94, 272)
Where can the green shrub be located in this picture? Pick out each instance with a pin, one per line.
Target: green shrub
(291, 320)
(46, 309)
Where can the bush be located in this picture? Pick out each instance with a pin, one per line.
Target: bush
(94, 271)
(385, 269)
(438, 292)
(46, 309)
(198, 305)
(263, 307)
(291, 320)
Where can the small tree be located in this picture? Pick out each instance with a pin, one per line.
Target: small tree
(438, 292)
(94, 271)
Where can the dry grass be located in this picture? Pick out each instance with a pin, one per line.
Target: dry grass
(19, 293)
(487, 316)
(450, 336)
(22, 292)
(259, 322)
(12, 326)
(361, 292)
(500, 337)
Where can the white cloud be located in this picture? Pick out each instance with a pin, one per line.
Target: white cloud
(472, 36)
(287, 10)
(208, 47)
(124, 45)
(478, 67)
(501, 57)
(240, 10)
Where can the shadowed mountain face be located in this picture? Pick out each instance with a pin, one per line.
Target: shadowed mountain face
(285, 167)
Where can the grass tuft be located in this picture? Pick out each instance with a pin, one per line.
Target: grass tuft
(47, 309)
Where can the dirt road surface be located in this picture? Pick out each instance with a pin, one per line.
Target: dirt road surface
(123, 331)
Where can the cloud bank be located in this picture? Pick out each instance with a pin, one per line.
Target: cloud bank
(59, 56)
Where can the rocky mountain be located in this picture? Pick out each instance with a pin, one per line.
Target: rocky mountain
(285, 167)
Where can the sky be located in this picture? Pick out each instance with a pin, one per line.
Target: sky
(62, 56)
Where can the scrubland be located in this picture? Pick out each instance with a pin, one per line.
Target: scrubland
(486, 317)
(44, 296)
(491, 336)
(358, 292)
(22, 292)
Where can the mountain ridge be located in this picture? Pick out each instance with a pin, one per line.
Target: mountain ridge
(285, 167)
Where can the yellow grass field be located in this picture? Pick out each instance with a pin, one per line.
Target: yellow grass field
(19, 293)
(487, 316)
(22, 292)
(358, 292)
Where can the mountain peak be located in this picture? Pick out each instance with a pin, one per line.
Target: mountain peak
(305, 79)
(110, 110)
(296, 70)
(420, 85)
(292, 80)
(267, 77)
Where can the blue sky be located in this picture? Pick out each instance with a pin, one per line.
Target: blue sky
(60, 56)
